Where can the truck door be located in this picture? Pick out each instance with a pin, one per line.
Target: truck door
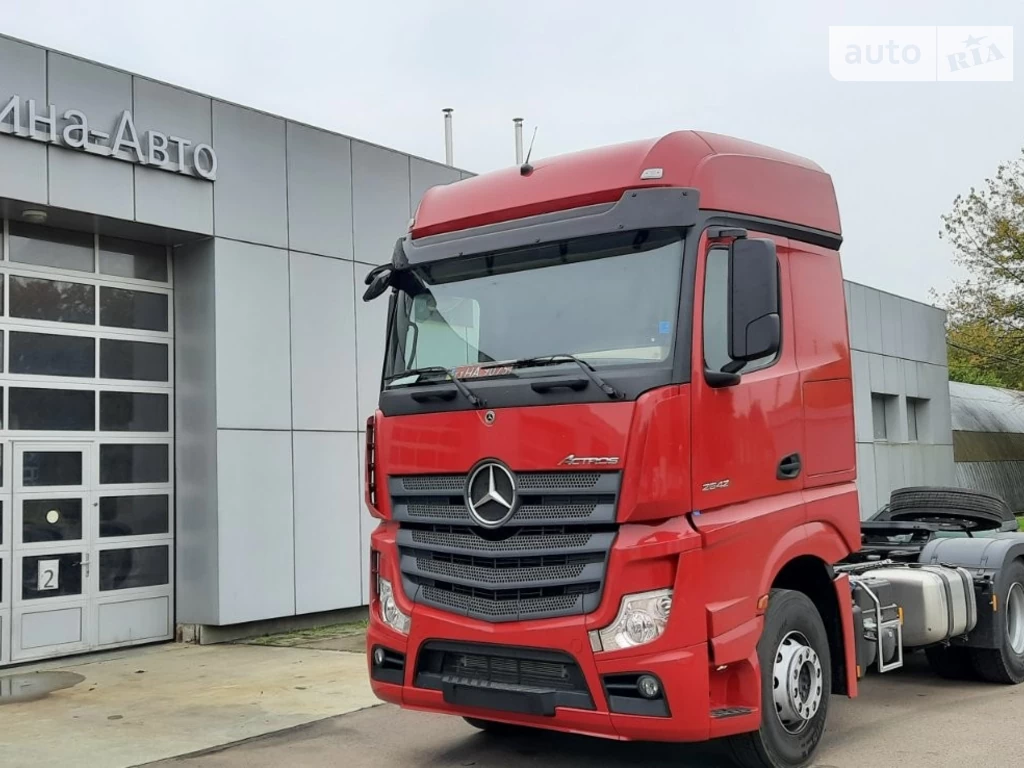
(748, 438)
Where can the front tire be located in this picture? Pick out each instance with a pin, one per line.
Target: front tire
(796, 682)
(1005, 664)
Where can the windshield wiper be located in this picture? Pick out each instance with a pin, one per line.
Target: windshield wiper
(587, 368)
(475, 400)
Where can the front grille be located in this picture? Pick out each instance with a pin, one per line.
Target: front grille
(528, 481)
(561, 509)
(548, 560)
(498, 606)
(468, 540)
(519, 669)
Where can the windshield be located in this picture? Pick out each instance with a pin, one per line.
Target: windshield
(610, 300)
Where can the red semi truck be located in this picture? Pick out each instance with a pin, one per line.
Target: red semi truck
(613, 461)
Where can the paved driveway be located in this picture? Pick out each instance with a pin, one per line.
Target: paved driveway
(907, 719)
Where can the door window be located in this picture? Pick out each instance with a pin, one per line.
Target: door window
(56, 575)
(50, 468)
(50, 521)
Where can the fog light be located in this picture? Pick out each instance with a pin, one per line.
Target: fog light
(378, 657)
(648, 686)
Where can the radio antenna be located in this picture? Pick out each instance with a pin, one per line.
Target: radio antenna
(532, 139)
(526, 169)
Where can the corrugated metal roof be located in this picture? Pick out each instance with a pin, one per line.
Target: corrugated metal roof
(1003, 478)
(988, 440)
(975, 408)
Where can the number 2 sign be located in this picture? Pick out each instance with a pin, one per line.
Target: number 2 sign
(48, 576)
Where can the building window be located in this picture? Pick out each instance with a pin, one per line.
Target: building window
(716, 318)
(917, 413)
(883, 409)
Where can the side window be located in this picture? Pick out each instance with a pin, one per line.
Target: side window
(444, 333)
(716, 318)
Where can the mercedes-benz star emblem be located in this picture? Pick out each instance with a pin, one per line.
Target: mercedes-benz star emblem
(491, 494)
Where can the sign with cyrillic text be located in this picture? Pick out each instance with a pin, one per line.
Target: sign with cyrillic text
(71, 129)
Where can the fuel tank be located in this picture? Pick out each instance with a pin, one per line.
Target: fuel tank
(938, 602)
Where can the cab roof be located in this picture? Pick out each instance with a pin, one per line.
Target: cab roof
(732, 175)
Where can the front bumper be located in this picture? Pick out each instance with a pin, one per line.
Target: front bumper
(695, 691)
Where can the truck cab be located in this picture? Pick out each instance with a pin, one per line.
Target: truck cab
(613, 458)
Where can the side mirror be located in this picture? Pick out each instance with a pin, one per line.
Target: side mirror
(379, 280)
(755, 330)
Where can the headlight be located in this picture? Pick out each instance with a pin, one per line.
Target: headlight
(390, 613)
(642, 618)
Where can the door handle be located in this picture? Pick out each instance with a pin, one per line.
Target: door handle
(84, 563)
(789, 467)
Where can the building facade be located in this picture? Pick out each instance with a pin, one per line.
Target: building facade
(901, 394)
(186, 366)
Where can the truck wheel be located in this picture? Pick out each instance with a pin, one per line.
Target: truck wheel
(950, 663)
(796, 682)
(1005, 664)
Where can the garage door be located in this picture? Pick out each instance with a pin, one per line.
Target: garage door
(86, 487)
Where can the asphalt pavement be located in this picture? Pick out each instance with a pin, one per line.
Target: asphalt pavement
(906, 719)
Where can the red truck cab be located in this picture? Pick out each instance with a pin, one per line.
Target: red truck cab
(613, 458)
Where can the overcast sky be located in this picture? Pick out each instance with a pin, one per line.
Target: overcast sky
(589, 73)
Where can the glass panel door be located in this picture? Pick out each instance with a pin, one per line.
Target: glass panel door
(51, 537)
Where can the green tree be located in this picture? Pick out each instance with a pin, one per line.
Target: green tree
(985, 332)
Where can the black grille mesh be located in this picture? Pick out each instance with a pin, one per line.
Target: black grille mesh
(527, 481)
(470, 542)
(457, 513)
(491, 575)
(497, 609)
(510, 671)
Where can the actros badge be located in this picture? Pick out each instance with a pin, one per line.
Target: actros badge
(572, 460)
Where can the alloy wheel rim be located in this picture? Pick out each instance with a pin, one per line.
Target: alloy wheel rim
(797, 681)
(1015, 618)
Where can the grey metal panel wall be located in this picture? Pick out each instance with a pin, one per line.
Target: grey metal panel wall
(323, 332)
(250, 201)
(898, 349)
(319, 192)
(170, 199)
(79, 181)
(381, 201)
(22, 163)
(253, 340)
(256, 525)
(97, 185)
(328, 567)
(274, 349)
(195, 413)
